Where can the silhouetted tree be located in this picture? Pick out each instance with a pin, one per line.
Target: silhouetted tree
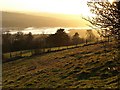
(50, 40)
(29, 41)
(107, 20)
(90, 36)
(60, 38)
(7, 42)
(76, 39)
(19, 41)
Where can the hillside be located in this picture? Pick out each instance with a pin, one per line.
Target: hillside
(83, 67)
(14, 19)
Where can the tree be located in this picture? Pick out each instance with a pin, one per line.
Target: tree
(76, 39)
(29, 41)
(7, 42)
(90, 36)
(107, 20)
(60, 38)
(19, 41)
(50, 40)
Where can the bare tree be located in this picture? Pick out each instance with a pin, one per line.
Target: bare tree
(107, 18)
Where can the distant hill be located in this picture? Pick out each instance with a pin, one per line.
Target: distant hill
(12, 19)
(82, 32)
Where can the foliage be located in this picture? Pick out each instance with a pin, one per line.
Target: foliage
(107, 18)
(76, 39)
(60, 38)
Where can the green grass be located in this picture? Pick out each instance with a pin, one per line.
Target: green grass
(83, 67)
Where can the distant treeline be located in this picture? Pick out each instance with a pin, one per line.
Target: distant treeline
(21, 41)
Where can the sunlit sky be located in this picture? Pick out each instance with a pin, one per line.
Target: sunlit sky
(51, 6)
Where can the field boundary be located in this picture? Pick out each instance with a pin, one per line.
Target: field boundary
(11, 56)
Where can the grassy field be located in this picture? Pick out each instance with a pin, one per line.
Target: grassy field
(84, 67)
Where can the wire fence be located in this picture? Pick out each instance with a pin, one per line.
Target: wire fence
(27, 53)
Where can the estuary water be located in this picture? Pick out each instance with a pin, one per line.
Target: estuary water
(35, 30)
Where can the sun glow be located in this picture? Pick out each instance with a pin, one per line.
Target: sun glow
(111, 1)
(52, 6)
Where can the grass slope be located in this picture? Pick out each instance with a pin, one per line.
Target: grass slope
(84, 67)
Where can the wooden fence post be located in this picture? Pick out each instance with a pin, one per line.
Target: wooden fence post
(10, 55)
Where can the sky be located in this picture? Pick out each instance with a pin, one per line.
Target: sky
(73, 7)
(51, 6)
(69, 7)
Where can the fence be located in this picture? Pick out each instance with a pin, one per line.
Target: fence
(27, 53)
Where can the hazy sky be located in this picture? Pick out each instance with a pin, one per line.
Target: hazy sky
(69, 7)
(51, 6)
